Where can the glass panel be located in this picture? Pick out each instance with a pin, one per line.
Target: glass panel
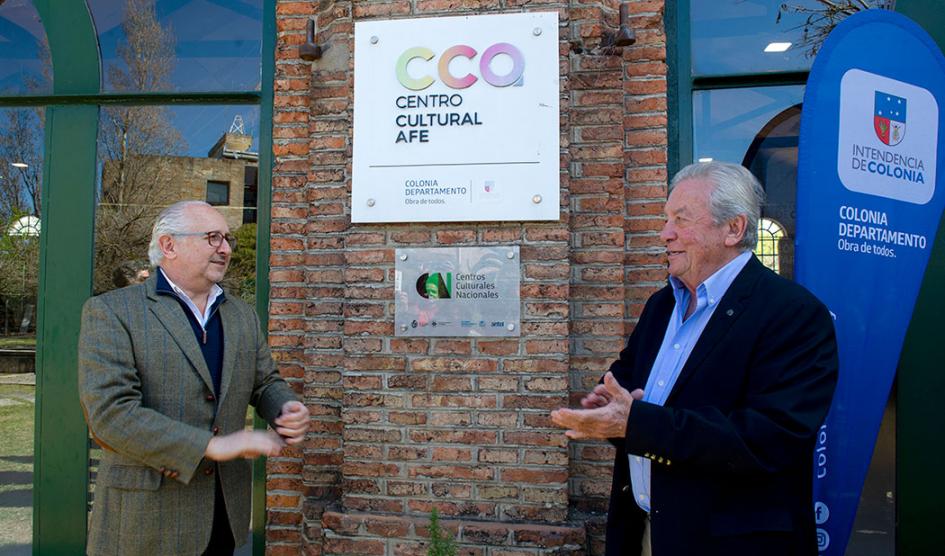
(756, 36)
(218, 193)
(874, 529)
(25, 65)
(179, 45)
(21, 158)
(772, 157)
(726, 121)
(152, 156)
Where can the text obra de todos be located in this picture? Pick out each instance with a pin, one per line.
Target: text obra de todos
(865, 231)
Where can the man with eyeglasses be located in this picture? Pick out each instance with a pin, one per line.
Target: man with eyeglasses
(167, 369)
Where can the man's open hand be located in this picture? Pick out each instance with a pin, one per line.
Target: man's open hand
(606, 413)
(244, 444)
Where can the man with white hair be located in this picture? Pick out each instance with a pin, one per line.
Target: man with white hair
(716, 400)
(167, 369)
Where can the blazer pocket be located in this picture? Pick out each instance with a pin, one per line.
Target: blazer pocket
(752, 521)
(130, 477)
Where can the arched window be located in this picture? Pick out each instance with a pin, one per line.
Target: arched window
(770, 233)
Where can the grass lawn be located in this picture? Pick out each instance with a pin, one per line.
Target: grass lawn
(16, 463)
(18, 342)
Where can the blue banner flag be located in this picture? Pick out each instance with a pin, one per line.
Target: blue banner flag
(869, 200)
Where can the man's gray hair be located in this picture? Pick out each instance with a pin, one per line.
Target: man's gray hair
(736, 191)
(172, 220)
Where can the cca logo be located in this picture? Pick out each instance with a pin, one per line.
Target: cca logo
(435, 286)
(450, 80)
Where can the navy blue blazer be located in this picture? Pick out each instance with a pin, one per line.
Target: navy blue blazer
(732, 448)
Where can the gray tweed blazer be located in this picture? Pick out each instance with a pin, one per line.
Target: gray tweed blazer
(148, 398)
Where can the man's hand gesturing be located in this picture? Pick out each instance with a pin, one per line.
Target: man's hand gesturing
(244, 444)
(606, 413)
(292, 423)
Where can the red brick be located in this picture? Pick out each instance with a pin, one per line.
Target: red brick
(367, 547)
(535, 476)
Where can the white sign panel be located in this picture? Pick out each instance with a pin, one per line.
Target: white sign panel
(456, 119)
(888, 137)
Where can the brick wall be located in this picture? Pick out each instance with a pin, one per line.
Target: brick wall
(402, 426)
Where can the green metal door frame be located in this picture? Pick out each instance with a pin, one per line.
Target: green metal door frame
(920, 484)
(60, 485)
(60, 470)
(263, 223)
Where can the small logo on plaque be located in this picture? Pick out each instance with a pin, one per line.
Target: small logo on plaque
(436, 285)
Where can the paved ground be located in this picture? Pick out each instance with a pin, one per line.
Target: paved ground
(16, 550)
(28, 378)
(17, 399)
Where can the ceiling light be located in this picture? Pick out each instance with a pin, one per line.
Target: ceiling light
(19, 165)
(706, 159)
(777, 46)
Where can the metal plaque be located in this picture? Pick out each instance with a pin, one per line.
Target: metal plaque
(457, 291)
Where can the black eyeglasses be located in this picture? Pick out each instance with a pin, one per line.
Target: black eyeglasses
(215, 239)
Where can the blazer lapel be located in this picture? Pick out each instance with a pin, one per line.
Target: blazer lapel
(650, 346)
(170, 314)
(729, 309)
(231, 324)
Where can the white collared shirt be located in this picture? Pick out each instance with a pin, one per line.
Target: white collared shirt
(202, 318)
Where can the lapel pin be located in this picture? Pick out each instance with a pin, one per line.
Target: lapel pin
(730, 312)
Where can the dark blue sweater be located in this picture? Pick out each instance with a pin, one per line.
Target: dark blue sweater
(210, 338)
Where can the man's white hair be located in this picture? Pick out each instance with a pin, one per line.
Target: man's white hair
(172, 220)
(736, 191)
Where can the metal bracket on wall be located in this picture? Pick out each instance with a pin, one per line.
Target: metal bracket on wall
(309, 51)
(624, 35)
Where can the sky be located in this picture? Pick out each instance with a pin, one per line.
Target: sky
(217, 46)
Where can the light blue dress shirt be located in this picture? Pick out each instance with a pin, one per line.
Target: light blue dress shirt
(681, 336)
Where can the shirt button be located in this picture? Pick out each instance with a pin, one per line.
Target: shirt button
(662, 383)
(637, 458)
(675, 346)
(642, 498)
(208, 471)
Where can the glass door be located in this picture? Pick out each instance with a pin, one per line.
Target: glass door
(109, 111)
(21, 161)
(25, 70)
